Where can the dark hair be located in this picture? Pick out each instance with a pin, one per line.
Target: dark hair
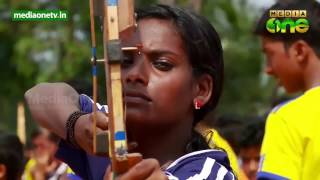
(41, 131)
(202, 45)
(229, 127)
(11, 155)
(311, 37)
(252, 133)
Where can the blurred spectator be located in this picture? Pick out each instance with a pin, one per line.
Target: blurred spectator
(27, 152)
(229, 127)
(11, 157)
(250, 144)
(43, 164)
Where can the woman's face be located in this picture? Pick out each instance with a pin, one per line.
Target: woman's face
(158, 83)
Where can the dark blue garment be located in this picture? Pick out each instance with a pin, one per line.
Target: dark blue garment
(269, 176)
(84, 165)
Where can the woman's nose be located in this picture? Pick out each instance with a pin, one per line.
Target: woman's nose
(137, 72)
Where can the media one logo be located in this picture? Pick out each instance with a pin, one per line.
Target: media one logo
(299, 24)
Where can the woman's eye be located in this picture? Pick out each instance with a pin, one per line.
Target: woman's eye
(162, 65)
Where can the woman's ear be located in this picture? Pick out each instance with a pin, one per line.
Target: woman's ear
(300, 51)
(3, 171)
(203, 89)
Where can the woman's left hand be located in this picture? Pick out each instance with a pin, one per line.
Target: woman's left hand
(147, 169)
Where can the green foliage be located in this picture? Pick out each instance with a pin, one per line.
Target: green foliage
(245, 92)
(40, 51)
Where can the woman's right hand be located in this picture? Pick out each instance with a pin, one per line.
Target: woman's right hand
(84, 132)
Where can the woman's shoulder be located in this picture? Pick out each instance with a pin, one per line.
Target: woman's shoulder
(204, 164)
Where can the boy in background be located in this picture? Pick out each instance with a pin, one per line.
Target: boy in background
(250, 145)
(290, 148)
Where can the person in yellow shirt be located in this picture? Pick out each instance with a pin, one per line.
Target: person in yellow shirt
(291, 145)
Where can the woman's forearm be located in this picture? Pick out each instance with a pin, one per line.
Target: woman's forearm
(51, 104)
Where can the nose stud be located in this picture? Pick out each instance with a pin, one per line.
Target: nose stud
(139, 46)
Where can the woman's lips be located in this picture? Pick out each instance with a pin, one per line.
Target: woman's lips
(136, 97)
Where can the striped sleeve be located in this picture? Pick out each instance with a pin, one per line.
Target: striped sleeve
(201, 165)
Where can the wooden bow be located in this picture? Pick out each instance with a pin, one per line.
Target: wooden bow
(118, 17)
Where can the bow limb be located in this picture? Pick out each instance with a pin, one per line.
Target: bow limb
(94, 73)
(100, 140)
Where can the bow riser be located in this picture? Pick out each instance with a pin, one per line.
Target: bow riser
(115, 141)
